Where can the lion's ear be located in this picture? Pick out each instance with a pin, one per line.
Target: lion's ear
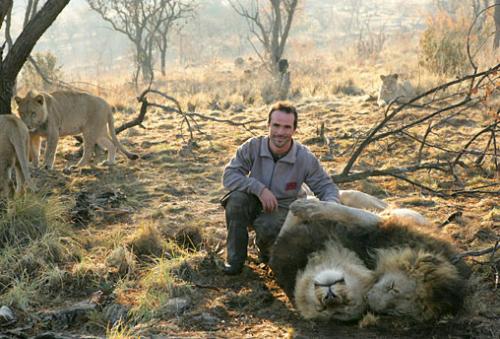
(382, 77)
(39, 99)
(395, 76)
(17, 99)
(428, 263)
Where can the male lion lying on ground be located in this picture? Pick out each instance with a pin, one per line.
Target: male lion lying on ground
(332, 285)
(414, 274)
(69, 113)
(14, 139)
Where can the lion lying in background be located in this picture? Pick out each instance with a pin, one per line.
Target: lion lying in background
(14, 139)
(64, 113)
(391, 89)
(413, 273)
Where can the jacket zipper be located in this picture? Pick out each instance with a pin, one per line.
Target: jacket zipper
(272, 175)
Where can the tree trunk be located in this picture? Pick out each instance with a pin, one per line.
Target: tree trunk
(163, 55)
(275, 37)
(147, 63)
(496, 41)
(17, 56)
(280, 29)
(5, 6)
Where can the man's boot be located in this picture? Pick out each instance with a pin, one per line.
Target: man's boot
(241, 210)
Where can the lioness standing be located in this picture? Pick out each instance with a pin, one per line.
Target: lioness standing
(14, 144)
(69, 113)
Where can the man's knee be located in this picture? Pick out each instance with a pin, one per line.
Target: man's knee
(240, 202)
(237, 197)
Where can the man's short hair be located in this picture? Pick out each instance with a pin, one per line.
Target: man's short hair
(284, 106)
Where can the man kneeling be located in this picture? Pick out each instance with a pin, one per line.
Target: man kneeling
(264, 178)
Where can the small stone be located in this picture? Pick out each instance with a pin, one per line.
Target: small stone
(177, 305)
(115, 313)
(6, 316)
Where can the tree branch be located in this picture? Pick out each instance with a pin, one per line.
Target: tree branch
(340, 178)
(373, 136)
(477, 253)
(5, 6)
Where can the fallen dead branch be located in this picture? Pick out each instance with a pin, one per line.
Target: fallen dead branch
(394, 128)
(478, 253)
(189, 118)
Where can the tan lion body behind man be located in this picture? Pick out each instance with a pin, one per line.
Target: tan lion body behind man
(62, 113)
(14, 144)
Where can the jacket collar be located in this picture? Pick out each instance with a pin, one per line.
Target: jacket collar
(266, 152)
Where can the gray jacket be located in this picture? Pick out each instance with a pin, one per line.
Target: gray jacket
(253, 168)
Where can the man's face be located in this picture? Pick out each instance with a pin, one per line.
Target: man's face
(281, 131)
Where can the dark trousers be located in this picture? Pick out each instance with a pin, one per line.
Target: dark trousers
(242, 211)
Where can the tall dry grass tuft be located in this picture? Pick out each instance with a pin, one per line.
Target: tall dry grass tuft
(122, 260)
(147, 241)
(35, 248)
(22, 292)
(30, 217)
(158, 284)
(121, 330)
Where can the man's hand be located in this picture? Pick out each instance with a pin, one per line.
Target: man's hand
(268, 200)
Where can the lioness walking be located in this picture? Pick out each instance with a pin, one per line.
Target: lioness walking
(69, 113)
(14, 143)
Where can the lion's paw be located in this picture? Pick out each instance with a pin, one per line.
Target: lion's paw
(306, 209)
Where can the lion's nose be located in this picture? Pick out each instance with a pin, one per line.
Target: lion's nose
(329, 297)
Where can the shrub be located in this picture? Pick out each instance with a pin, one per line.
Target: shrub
(34, 249)
(443, 44)
(47, 65)
(147, 241)
(31, 217)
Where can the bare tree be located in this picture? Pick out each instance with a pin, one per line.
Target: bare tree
(270, 25)
(131, 17)
(354, 7)
(5, 7)
(145, 23)
(22, 47)
(496, 40)
(8, 21)
(30, 12)
(477, 7)
(170, 13)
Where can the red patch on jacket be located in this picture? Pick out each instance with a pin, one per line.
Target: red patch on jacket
(291, 186)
